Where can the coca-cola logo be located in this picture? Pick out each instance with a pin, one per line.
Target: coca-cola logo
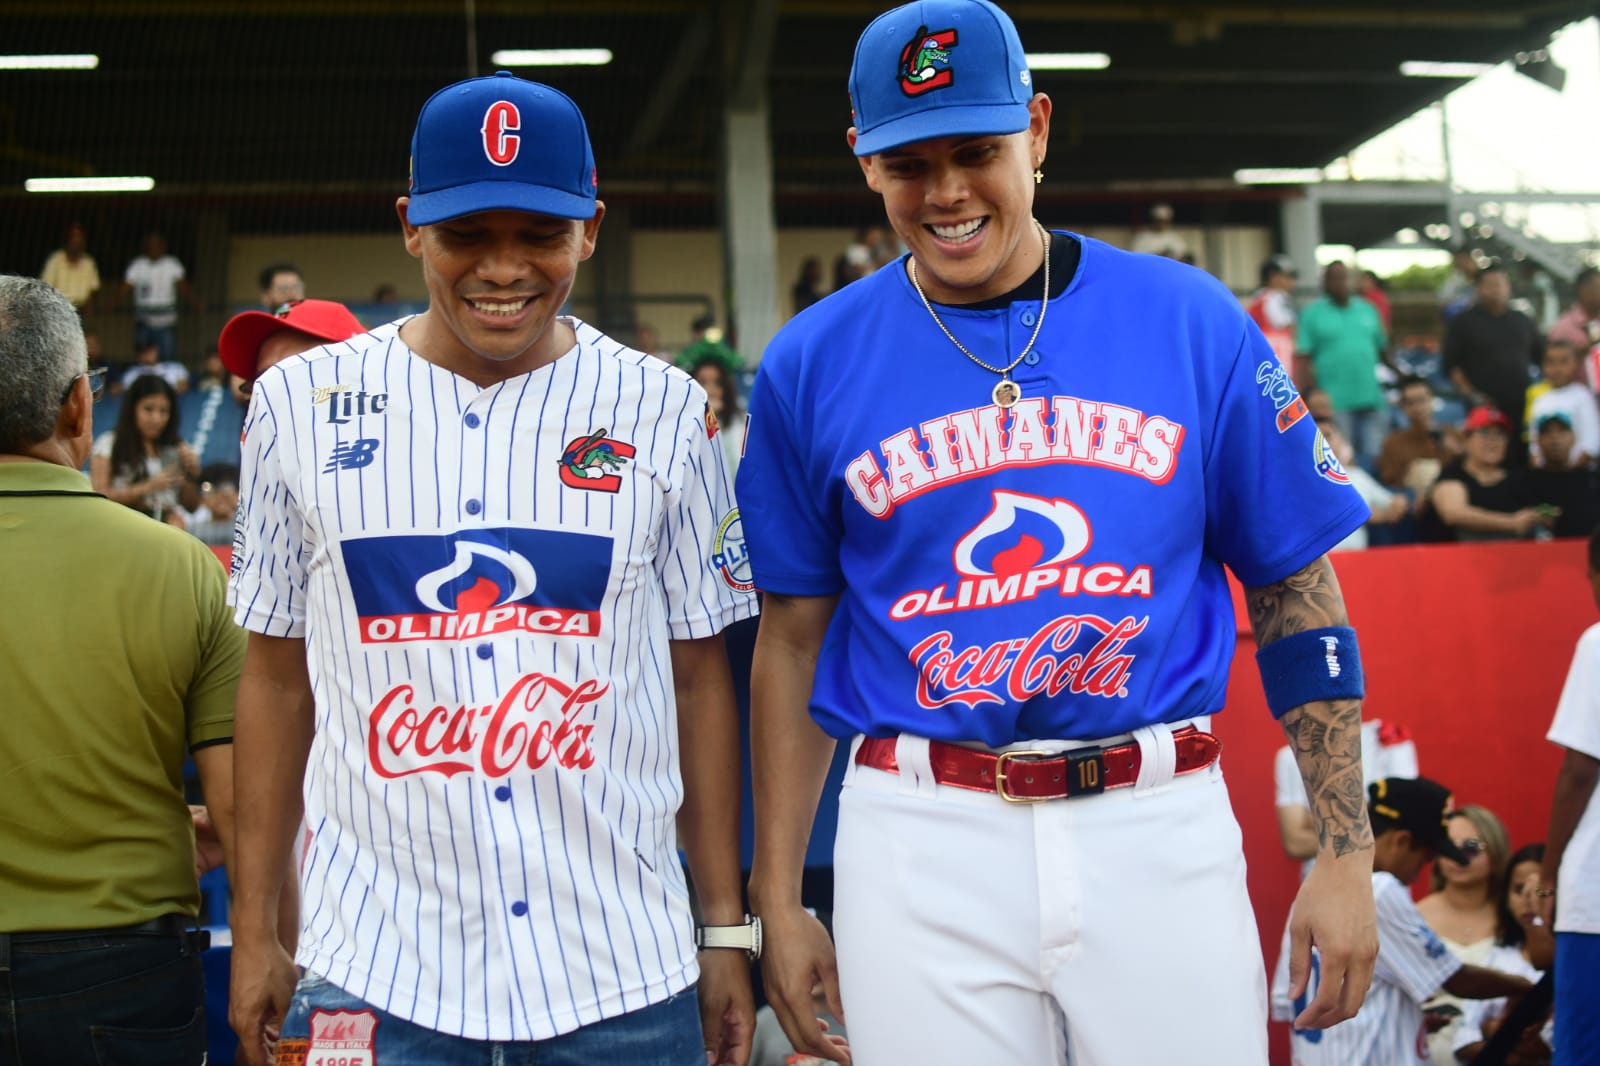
(536, 722)
(1043, 664)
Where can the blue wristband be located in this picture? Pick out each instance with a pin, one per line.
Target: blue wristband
(1319, 664)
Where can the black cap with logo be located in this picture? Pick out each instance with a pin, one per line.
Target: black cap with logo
(1420, 805)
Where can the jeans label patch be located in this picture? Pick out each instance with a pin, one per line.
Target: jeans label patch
(342, 1038)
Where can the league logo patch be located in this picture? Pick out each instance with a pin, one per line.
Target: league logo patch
(925, 62)
(348, 1035)
(1278, 386)
(730, 556)
(236, 559)
(476, 583)
(590, 462)
(1327, 463)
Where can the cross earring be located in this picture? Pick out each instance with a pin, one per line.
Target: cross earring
(1038, 176)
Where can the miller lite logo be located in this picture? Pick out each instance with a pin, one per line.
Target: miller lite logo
(501, 141)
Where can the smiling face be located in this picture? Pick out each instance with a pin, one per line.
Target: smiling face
(1487, 447)
(496, 281)
(964, 206)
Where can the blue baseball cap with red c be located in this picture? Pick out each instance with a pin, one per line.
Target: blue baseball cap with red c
(938, 68)
(500, 143)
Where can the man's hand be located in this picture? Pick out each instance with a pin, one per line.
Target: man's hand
(261, 986)
(208, 853)
(727, 1006)
(1335, 912)
(797, 957)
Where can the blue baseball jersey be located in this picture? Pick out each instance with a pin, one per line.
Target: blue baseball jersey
(1051, 571)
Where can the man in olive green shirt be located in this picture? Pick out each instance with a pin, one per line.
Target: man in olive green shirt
(117, 654)
(1339, 346)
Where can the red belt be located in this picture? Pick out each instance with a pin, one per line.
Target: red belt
(1029, 776)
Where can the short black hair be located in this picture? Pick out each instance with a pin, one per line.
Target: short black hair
(1594, 550)
(1585, 274)
(1493, 266)
(220, 474)
(703, 323)
(268, 273)
(1411, 380)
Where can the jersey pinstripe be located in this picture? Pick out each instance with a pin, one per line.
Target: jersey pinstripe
(487, 581)
(1412, 965)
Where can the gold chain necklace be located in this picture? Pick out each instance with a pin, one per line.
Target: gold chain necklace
(1006, 392)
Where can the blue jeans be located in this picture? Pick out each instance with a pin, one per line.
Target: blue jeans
(664, 1034)
(1577, 1036)
(1365, 431)
(104, 1000)
(165, 338)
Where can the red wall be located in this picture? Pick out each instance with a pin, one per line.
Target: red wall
(1467, 645)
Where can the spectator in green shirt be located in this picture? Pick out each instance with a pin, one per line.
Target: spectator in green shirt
(1338, 349)
(118, 655)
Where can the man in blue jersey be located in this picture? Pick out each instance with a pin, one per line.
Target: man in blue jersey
(991, 493)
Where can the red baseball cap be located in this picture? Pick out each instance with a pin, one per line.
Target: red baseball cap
(242, 337)
(1485, 418)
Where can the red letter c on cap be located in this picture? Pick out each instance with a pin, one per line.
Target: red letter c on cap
(500, 141)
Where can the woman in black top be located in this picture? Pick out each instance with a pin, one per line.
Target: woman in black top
(1477, 497)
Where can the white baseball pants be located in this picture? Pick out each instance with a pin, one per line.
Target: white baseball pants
(1110, 930)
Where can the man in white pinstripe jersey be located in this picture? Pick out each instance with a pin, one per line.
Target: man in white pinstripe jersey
(1408, 820)
(485, 556)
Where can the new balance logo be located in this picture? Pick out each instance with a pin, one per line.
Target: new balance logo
(352, 456)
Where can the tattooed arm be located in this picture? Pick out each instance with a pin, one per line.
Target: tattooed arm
(1334, 909)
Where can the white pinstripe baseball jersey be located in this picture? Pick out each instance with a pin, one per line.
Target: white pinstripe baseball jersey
(487, 581)
(1412, 965)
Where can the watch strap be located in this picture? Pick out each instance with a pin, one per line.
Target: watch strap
(745, 937)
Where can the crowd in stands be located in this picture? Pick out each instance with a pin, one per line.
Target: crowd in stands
(1496, 438)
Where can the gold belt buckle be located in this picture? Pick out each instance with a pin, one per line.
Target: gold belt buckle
(1000, 774)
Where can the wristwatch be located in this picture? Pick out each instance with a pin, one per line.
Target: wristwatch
(746, 937)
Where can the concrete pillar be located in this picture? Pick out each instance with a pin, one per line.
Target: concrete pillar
(1302, 235)
(749, 224)
(750, 229)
